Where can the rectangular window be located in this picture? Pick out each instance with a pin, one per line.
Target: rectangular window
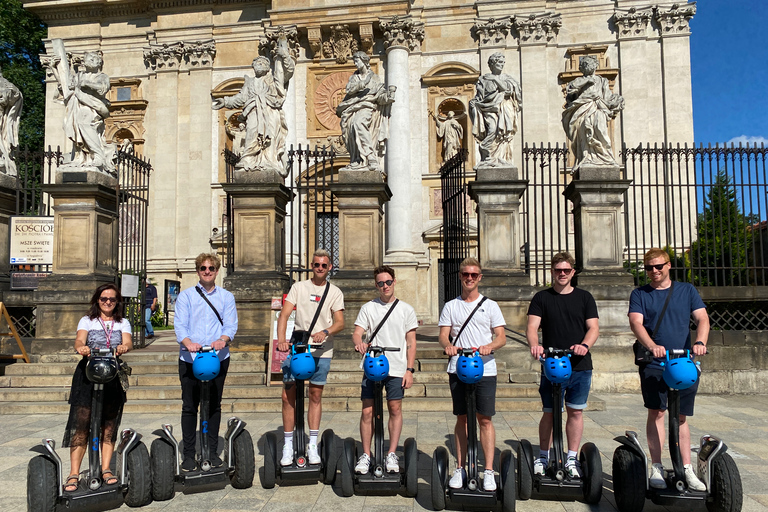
(123, 94)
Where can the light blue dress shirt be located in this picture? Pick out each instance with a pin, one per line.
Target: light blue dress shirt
(196, 320)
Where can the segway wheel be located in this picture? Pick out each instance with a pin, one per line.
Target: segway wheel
(725, 485)
(629, 480)
(524, 470)
(411, 467)
(42, 484)
(592, 473)
(245, 462)
(508, 483)
(439, 479)
(163, 462)
(329, 455)
(139, 479)
(270, 461)
(348, 468)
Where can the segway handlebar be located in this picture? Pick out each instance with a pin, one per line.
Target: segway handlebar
(375, 351)
(467, 351)
(102, 352)
(682, 352)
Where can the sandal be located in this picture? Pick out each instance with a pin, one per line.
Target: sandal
(109, 480)
(75, 483)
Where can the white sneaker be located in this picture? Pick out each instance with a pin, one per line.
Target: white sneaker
(692, 480)
(489, 480)
(657, 476)
(393, 465)
(457, 480)
(287, 459)
(363, 464)
(540, 466)
(573, 467)
(312, 455)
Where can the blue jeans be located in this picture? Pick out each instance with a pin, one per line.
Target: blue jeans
(576, 391)
(148, 322)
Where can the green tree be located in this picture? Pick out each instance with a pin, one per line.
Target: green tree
(719, 255)
(21, 42)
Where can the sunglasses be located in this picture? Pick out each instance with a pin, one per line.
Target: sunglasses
(565, 271)
(648, 268)
(388, 282)
(473, 275)
(318, 265)
(211, 268)
(104, 300)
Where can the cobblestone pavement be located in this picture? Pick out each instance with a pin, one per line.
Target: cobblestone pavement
(742, 421)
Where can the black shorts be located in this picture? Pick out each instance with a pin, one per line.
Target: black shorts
(393, 385)
(655, 391)
(485, 395)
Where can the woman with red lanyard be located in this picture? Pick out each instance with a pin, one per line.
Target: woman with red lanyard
(103, 327)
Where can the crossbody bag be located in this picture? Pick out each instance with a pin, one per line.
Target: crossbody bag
(378, 328)
(644, 356)
(453, 341)
(303, 336)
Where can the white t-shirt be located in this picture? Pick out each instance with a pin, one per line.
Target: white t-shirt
(305, 295)
(392, 333)
(97, 336)
(479, 330)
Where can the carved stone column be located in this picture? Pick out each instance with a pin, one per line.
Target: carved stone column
(84, 257)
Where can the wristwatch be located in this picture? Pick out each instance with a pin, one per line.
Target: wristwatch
(412, 370)
(326, 332)
(700, 343)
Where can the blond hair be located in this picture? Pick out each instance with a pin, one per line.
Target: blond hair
(654, 253)
(470, 262)
(203, 257)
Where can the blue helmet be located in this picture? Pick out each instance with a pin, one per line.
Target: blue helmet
(376, 368)
(302, 365)
(206, 365)
(558, 369)
(101, 369)
(680, 373)
(469, 370)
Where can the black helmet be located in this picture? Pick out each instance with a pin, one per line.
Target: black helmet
(101, 369)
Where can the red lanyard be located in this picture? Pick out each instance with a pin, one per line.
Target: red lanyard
(108, 333)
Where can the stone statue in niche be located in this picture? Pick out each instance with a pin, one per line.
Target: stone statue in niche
(590, 104)
(364, 114)
(236, 129)
(262, 98)
(494, 112)
(450, 130)
(86, 107)
(11, 103)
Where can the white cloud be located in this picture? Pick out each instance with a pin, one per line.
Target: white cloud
(748, 139)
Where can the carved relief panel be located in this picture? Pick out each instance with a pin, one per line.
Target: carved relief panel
(125, 124)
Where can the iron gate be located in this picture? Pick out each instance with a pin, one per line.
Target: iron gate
(454, 234)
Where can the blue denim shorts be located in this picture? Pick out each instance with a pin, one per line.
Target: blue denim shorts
(393, 385)
(576, 391)
(319, 378)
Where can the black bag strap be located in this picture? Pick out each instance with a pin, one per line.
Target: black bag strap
(209, 303)
(319, 307)
(468, 319)
(389, 312)
(663, 310)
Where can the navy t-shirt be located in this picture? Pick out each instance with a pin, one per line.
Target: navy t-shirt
(150, 294)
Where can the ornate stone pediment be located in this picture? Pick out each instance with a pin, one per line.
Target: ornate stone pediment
(492, 31)
(538, 28)
(268, 44)
(402, 31)
(676, 20)
(171, 56)
(341, 44)
(633, 22)
(338, 41)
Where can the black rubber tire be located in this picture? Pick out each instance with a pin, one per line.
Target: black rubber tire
(439, 477)
(629, 480)
(348, 468)
(42, 485)
(245, 461)
(163, 462)
(524, 470)
(411, 467)
(139, 477)
(591, 473)
(725, 485)
(270, 461)
(509, 485)
(329, 455)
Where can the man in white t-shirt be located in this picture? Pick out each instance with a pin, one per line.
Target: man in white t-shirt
(399, 331)
(306, 296)
(484, 331)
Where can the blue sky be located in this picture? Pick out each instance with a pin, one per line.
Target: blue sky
(729, 67)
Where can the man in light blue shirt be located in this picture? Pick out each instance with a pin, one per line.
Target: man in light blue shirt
(199, 324)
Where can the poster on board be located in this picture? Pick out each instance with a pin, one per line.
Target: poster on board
(276, 358)
(31, 240)
(172, 290)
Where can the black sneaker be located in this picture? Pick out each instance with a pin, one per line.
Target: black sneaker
(216, 462)
(189, 464)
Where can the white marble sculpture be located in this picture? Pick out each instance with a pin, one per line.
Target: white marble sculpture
(85, 100)
(590, 104)
(364, 114)
(262, 98)
(494, 112)
(450, 130)
(11, 103)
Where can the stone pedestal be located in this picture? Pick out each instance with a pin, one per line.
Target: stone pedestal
(84, 257)
(7, 208)
(259, 202)
(360, 197)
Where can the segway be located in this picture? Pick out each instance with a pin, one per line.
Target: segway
(715, 467)
(556, 366)
(376, 368)
(300, 470)
(469, 369)
(239, 465)
(45, 491)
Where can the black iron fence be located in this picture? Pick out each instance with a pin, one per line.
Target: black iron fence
(454, 235)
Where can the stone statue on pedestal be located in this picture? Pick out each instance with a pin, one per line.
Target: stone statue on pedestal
(452, 133)
(364, 114)
(11, 103)
(262, 98)
(85, 99)
(589, 105)
(494, 112)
